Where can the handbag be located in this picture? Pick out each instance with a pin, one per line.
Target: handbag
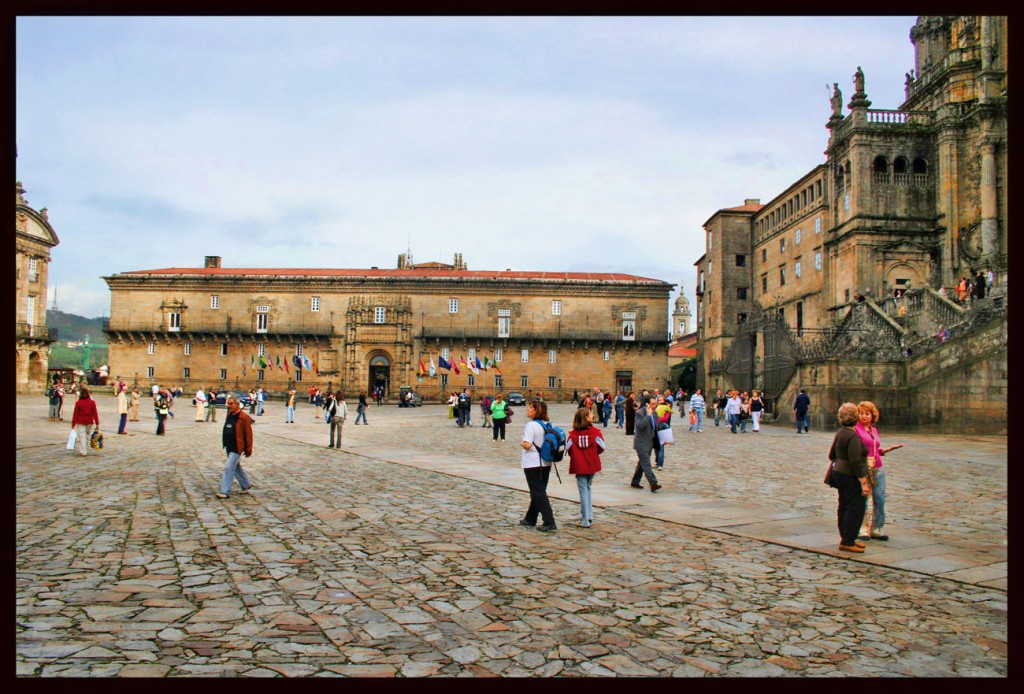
(828, 474)
(96, 440)
(665, 436)
(72, 438)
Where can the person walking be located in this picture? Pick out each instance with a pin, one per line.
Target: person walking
(644, 442)
(211, 406)
(485, 410)
(465, 408)
(337, 411)
(289, 416)
(200, 403)
(606, 411)
(584, 446)
(800, 407)
(663, 420)
(236, 438)
(361, 408)
(133, 409)
(756, 410)
(252, 402)
(697, 405)
(122, 408)
(499, 416)
(261, 397)
(732, 410)
(721, 402)
(620, 410)
(536, 469)
(162, 408)
(575, 397)
(84, 420)
(849, 475)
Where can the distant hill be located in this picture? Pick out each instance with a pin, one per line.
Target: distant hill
(72, 328)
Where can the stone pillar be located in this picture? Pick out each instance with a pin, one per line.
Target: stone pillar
(989, 206)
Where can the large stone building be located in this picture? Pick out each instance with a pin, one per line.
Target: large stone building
(794, 291)
(548, 332)
(34, 237)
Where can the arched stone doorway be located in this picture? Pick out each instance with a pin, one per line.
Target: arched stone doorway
(380, 373)
(903, 276)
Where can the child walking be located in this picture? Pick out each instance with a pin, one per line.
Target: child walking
(693, 419)
(584, 446)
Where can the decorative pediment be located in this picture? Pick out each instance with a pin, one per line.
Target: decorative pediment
(639, 311)
(514, 306)
(904, 247)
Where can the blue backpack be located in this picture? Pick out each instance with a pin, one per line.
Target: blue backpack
(553, 449)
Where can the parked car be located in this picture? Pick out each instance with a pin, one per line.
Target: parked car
(415, 401)
(221, 397)
(516, 398)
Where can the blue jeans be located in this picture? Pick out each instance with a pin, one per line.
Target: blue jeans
(586, 506)
(233, 469)
(734, 420)
(700, 418)
(718, 415)
(801, 421)
(659, 457)
(361, 414)
(620, 416)
(878, 500)
(290, 415)
(259, 407)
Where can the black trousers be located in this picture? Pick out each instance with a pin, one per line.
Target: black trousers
(537, 481)
(499, 425)
(852, 506)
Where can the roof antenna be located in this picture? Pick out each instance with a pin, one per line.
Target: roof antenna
(408, 250)
(54, 308)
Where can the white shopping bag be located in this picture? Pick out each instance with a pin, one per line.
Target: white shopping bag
(71, 439)
(665, 436)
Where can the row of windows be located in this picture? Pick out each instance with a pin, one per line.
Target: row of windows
(314, 302)
(800, 200)
(186, 373)
(797, 272)
(260, 349)
(499, 382)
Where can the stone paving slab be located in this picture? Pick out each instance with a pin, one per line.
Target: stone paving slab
(350, 563)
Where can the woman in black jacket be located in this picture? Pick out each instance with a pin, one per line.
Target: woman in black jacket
(850, 478)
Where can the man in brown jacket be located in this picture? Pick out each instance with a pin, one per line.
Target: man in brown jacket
(237, 440)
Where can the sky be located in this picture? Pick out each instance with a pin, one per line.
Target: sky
(579, 144)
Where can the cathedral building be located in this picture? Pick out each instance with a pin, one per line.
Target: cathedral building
(858, 259)
(359, 329)
(33, 239)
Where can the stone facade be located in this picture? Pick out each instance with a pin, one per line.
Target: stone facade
(34, 237)
(908, 199)
(364, 327)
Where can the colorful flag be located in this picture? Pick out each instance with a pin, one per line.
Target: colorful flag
(278, 358)
(443, 363)
(423, 368)
(478, 366)
(487, 363)
(263, 362)
(433, 371)
(472, 367)
(286, 366)
(494, 365)
(307, 362)
(455, 367)
(297, 361)
(252, 361)
(315, 369)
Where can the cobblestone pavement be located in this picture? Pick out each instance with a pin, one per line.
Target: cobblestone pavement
(401, 556)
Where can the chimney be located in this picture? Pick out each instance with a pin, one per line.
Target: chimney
(752, 201)
(212, 261)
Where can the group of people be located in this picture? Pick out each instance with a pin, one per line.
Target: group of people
(734, 407)
(978, 287)
(857, 471)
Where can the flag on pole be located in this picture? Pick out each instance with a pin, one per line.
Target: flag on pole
(423, 368)
(263, 362)
(307, 362)
(286, 370)
(443, 363)
(455, 367)
(278, 359)
(297, 361)
(315, 368)
(487, 363)
(494, 365)
(252, 361)
(433, 371)
(473, 367)
(478, 366)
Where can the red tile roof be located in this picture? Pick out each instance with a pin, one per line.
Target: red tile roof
(398, 274)
(744, 208)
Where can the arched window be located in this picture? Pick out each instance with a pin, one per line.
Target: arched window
(899, 165)
(920, 166)
(881, 165)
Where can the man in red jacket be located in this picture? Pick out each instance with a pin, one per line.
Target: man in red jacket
(84, 418)
(237, 440)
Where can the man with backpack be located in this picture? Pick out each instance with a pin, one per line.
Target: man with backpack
(536, 468)
(465, 403)
(54, 398)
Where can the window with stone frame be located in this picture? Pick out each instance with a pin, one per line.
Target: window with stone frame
(453, 305)
(214, 301)
(151, 348)
(524, 381)
(314, 304)
(149, 372)
(188, 348)
(223, 374)
(556, 307)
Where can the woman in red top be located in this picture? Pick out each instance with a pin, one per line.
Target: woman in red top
(584, 445)
(84, 418)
